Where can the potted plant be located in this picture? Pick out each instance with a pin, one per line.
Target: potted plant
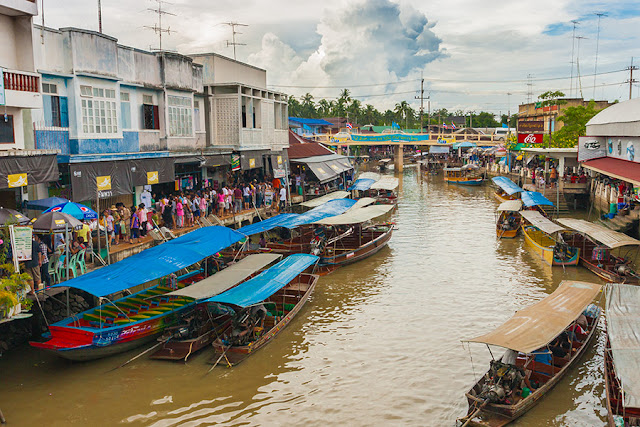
(8, 301)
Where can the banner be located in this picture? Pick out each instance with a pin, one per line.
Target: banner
(17, 171)
(531, 127)
(152, 178)
(531, 138)
(391, 137)
(17, 180)
(591, 147)
(235, 162)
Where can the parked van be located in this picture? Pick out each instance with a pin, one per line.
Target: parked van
(500, 134)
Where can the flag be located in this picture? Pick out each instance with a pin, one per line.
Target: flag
(349, 125)
(504, 125)
(394, 125)
(453, 126)
(444, 125)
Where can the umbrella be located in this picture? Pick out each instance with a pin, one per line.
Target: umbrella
(55, 222)
(76, 210)
(9, 216)
(470, 166)
(43, 204)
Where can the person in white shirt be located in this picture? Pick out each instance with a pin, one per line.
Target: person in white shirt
(283, 198)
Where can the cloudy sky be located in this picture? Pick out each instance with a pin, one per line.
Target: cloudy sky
(471, 53)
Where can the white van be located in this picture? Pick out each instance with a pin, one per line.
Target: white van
(500, 134)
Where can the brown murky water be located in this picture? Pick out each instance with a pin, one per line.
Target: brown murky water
(379, 343)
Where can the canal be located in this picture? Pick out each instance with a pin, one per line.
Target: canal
(378, 344)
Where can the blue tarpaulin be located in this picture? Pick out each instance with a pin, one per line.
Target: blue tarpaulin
(156, 262)
(49, 202)
(362, 184)
(331, 208)
(533, 198)
(266, 283)
(506, 184)
(266, 225)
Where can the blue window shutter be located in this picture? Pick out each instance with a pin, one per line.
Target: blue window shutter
(125, 112)
(48, 118)
(64, 112)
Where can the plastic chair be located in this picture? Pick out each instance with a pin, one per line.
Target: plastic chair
(73, 265)
(53, 271)
(81, 263)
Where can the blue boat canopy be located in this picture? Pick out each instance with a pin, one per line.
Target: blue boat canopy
(267, 283)
(533, 198)
(506, 184)
(155, 262)
(362, 184)
(331, 208)
(266, 225)
(463, 144)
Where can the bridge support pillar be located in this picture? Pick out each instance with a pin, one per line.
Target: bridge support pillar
(398, 157)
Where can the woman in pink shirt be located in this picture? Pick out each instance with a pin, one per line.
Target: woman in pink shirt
(221, 204)
(180, 213)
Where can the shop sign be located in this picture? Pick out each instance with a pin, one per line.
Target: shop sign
(252, 163)
(531, 127)
(103, 182)
(20, 244)
(235, 162)
(279, 173)
(153, 178)
(279, 161)
(591, 147)
(531, 138)
(17, 180)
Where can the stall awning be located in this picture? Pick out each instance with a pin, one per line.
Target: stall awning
(330, 208)
(252, 159)
(623, 323)
(541, 222)
(266, 225)
(227, 278)
(152, 171)
(326, 168)
(387, 183)
(609, 238)
(217, 160)
(156, 262)
(357, 216)
(439, 149)
(510, 206)
(324, 199)
(533, 198)
(506, 184)
(267, 283)
(362, 184)
(188, 159)
(537, 325)
(615, 168)
(38, 169)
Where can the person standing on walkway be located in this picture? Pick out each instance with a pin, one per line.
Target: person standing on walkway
(283, 198)
(33, 265)
(142, 216)
(237, 195)
(179, 213)
(134, 225)
(203, 205)
(44, 262)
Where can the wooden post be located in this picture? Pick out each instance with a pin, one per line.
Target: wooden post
(399, 152)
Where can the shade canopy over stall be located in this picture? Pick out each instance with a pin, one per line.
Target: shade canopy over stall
(533, 198)
(607, 237)
(507, 185)
(227, 278)
(369, 175)
(156, 262)
(55, 222)
(267, 283)
(541, 222)
(76, 210)
(9, 216)
(362, 202)
(623, 324)
(510, 206)
(536, 326)
(43, 204)
(324, 199)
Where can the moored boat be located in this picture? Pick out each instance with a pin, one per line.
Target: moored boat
(264, 306)
(116, 326)
(543, 342)
(384, 190)
(462, 177)
(507, 189)
(535, 201)
(539, 233)
(596, 244)
(508, 219)
(622, 355)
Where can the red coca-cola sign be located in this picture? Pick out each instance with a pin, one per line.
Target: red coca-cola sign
(530, 138)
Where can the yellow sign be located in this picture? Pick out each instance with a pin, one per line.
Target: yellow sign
(252, 163)
(17, 180)
(279, 160)
(59, 221)
(152, 177)
(103, 182)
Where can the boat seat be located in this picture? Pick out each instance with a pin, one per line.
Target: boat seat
(139, 317)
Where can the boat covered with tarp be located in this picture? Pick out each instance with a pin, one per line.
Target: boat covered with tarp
(362, 184)
(118, 325)
(543, 342)
(544, 238)
(622, 355)
(325, 198)
(507, 189)
(263, 306)
(508, 220)
(597, 244)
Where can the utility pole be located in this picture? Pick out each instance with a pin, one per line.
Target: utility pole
(100, 16)
(578, 66)
(233, 43)
(595, 70)
(573, 45)
(529, 88)
(631, 80)
(157, 28)
(421, 98)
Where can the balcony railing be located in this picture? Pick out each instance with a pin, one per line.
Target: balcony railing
(21, 82)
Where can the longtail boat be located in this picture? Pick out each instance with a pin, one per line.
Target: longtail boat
(384, 191)
(264, 306)
(622, 355)
(120, 325)
(535, 201)
(539, 233)
(201, 325)
(543, 341)
(508, 220)
(596, 244)
(461, 177)
(507, 189)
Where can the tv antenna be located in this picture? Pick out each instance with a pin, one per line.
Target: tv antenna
(573, 46)
(529, 88)
(233, 42)
(157, 28)
(578, 66)
(595, 71)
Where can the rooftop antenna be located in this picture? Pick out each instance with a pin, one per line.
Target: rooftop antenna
(578, 65)
(529, 88)
(100, 16)
(595, 70)
(157, 28)
(233, 42)
(573, 45)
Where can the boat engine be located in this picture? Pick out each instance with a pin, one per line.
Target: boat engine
(623, 270)
(494, 393)
(503, 380)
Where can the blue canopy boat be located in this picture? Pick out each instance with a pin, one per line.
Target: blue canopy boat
(128, 322)
(264, 306)
(532, 200)
(362, 184)
(507, 189)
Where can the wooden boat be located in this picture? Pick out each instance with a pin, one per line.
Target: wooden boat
(538, 232)
(596, 244)
(622, 397)
(384, 191)
(385, 164)
(120, 325)
(506, 189)
(461, 177)
(279, 293)
(508, 220)
(361, 243)
(496, 399)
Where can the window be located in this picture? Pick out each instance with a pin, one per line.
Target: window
(196, 116)
(124, 96)
(49, 88)
(147, 99)
(6, 130)
(99, 114)
(180, 116)
(125, 110)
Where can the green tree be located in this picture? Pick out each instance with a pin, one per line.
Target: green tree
(324, 108)
(355, 111)
(370, 114)
(295, 109)
(308, 106)
(485, 120)
(574, 125)
(551, 98)
(402, 112)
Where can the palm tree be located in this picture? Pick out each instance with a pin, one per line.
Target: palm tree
(355, 110)
(369, 113)
(402, 108)
(308, 106)
(324, 108)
